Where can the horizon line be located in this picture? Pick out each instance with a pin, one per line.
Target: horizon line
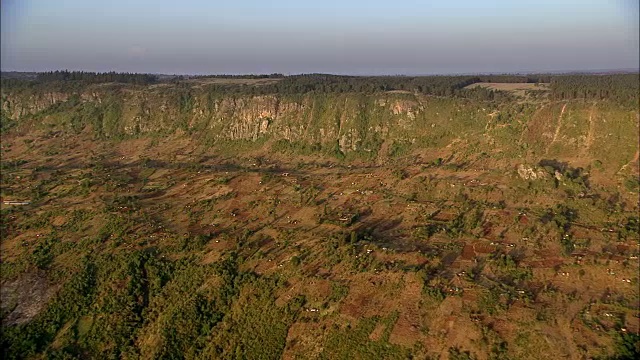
(523, 72)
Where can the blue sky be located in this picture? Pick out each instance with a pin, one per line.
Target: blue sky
(343, 37)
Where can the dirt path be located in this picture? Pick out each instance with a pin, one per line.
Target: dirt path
(590, 134)
(635, 157)
(526, 125)
(557, 132)
(634, 160)
(536, 113)
(383, 153)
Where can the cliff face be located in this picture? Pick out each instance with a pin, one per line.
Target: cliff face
(18, 105)
(354, 122)
(342, 123)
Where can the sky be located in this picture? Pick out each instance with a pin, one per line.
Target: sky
(358, 37)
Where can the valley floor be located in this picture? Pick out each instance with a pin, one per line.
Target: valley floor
(140, 249)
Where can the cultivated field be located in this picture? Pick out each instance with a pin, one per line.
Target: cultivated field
(232, 81)
(518, 89)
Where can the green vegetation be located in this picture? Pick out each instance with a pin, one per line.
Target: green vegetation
(318, 216)
(353, 342)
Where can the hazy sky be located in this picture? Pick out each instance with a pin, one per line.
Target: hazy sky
(331, 36)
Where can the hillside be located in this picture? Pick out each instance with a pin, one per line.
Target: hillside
(320, 217)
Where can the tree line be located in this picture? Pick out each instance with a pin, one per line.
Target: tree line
(93, 77)
(623, 88)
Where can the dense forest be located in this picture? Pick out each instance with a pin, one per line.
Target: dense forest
(622, 87)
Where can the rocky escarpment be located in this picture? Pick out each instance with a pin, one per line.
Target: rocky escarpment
(354, 123)
(18, 105)
(391, 123)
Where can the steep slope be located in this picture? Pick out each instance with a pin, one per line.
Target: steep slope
(339, 124)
